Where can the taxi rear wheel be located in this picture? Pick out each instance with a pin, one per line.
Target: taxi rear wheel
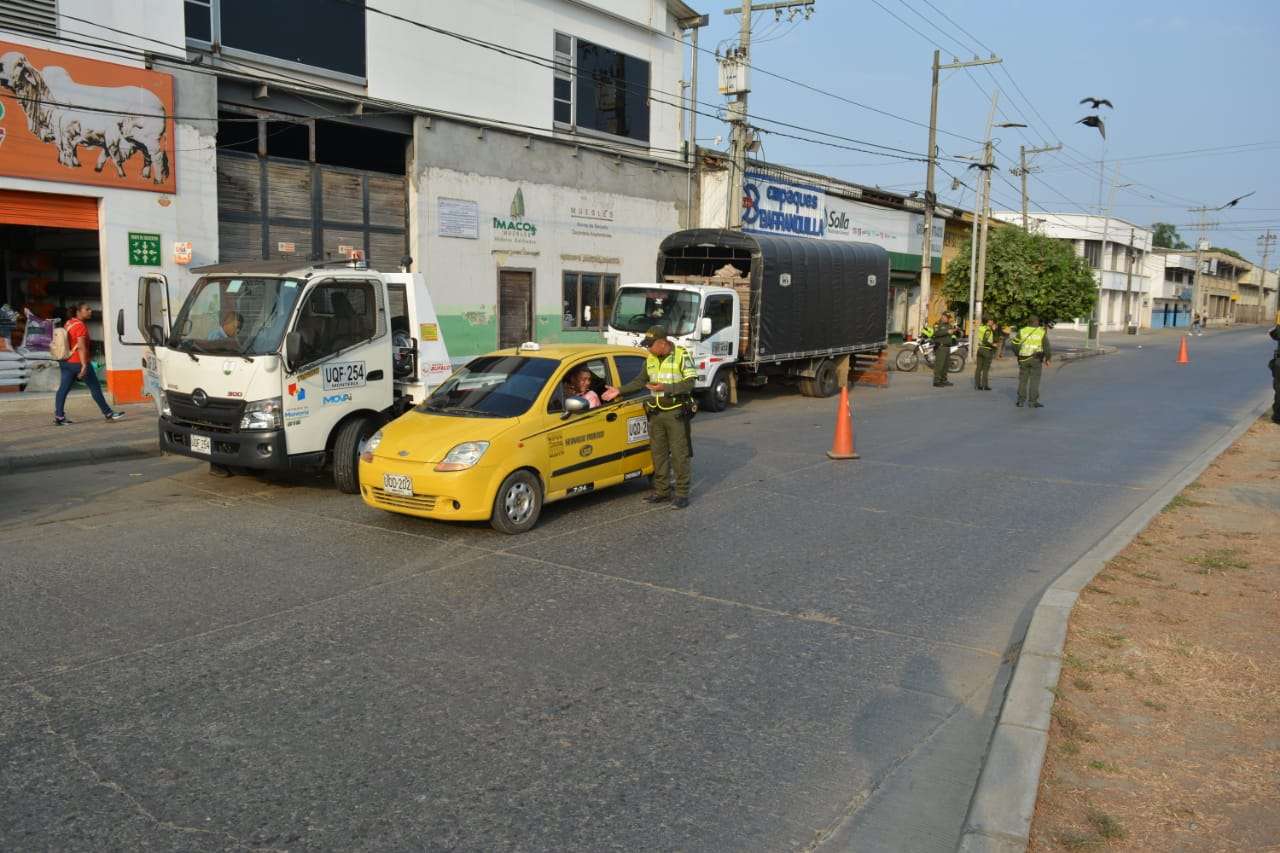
(518, 503)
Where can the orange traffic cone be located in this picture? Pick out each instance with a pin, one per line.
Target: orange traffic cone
(842, 446)
(1182, 352)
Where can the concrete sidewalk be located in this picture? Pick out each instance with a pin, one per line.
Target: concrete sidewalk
(29, 439)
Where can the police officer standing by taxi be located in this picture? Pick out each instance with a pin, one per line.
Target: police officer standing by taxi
(669, 375)
(987, 347)
(942, 341)
(1032, 343)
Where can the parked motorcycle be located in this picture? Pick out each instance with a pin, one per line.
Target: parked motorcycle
(910, 356)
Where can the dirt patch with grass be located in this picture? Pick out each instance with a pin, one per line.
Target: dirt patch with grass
(1166, 722)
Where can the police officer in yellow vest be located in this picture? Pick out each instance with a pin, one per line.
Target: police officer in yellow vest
(987, 346)
(1032, 342)
(669, 375)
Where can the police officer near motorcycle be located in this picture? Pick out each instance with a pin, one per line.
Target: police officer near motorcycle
(987, 347)
(1274, 364)
(1032, 344)
(942, 342)
(669, 375)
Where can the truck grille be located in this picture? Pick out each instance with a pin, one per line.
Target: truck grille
(217, 414)
(424, 503)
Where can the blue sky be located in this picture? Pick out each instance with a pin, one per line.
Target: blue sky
(1180, 80)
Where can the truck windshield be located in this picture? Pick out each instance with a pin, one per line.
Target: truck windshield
(235, 315)
(494, 386)
(638, 308)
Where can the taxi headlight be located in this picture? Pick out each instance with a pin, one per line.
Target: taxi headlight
(369, 445)
(463, 456)
(263, 414)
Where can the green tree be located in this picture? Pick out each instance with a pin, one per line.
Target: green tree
(1166, 236)
(1232, 252)
(1026, 274)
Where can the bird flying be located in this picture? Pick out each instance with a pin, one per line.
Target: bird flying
(983, 166)
(1094, 121)
(1094, 103)
(1236, 201)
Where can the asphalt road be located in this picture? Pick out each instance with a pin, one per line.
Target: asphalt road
(809, 657)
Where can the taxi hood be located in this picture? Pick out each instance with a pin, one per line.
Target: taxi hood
(425, 437)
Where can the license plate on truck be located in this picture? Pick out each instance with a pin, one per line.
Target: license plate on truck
(201, 444)
(397, 484)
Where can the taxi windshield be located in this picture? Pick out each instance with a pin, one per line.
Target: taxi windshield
(492, 386)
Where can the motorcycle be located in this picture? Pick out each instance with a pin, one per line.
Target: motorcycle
(910, 356)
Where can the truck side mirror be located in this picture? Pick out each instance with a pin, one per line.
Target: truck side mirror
(292, 348)
(157, 334)
(120, 324)
(704, 327)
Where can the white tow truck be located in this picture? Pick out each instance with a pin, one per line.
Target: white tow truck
(285, 364)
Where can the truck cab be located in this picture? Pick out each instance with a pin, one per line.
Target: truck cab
(703, 319)
(277, 365)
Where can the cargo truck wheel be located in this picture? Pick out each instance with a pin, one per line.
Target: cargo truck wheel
(716, 398)
(907, 360)
(825, 379)
(346, 454)
(518, 503)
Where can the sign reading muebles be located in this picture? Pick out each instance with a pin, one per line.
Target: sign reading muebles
(59, 108)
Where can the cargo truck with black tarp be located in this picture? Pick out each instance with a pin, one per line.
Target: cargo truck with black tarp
(752, 307)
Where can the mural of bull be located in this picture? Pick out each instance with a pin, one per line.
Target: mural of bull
(120, 120)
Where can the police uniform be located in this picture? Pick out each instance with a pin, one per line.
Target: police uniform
(669, 414)
(1033, 351)
(986, 352)
(941, 352)
(1275, 376)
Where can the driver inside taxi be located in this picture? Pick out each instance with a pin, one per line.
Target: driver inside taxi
(578, 384)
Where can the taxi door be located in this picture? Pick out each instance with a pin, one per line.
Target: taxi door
(633, 435)
(582, 449)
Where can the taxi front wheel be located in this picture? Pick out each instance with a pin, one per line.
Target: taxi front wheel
(518, 503)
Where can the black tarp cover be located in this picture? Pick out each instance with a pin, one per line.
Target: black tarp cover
(837, 299)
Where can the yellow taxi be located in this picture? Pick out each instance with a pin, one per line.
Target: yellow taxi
(509, 432)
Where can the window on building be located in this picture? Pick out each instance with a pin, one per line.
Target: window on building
(38, 17)
(599, 89)
(325, 34)
(588, 299)
(1093, 253)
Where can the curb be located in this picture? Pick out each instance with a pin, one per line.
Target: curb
(31, 460)
(1004, 801)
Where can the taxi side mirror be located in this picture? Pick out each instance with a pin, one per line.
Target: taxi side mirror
(574, 405)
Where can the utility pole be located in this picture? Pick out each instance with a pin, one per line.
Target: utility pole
(733, 81)
(1202, 243)
(978, 277)
(1265, 242)
(930, 197)
(1128, 280)
(1024, 170)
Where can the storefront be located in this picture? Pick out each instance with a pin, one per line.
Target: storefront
(524, 240)
(89, 200)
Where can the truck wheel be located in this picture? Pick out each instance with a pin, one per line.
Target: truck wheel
(825, 380)
(346, 454)
(716, 398)
(518, 503)
(907, 360)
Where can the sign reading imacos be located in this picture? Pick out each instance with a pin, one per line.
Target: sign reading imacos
(516, 222)
(781, 207)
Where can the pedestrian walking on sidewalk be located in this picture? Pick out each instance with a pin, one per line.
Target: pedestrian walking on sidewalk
(942, 341)
(1275, 375)
(1197, 324)
(988, 345)
(77, 366)
(1032, 341)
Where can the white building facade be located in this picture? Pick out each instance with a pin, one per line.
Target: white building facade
(1171, 273)
(1116, 250)
(526, 155)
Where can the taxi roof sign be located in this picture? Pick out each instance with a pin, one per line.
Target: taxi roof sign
(530, 346)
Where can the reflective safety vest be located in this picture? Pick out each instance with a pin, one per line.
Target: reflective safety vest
(1030, 341)
(675, 368)
(987, 338)
(926, 331)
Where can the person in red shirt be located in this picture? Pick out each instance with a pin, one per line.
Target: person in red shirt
(77, 367)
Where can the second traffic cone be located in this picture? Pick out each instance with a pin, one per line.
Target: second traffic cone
(1182, 352)
(842, 445)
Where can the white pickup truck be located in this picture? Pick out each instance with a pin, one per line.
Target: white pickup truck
(284, 364)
